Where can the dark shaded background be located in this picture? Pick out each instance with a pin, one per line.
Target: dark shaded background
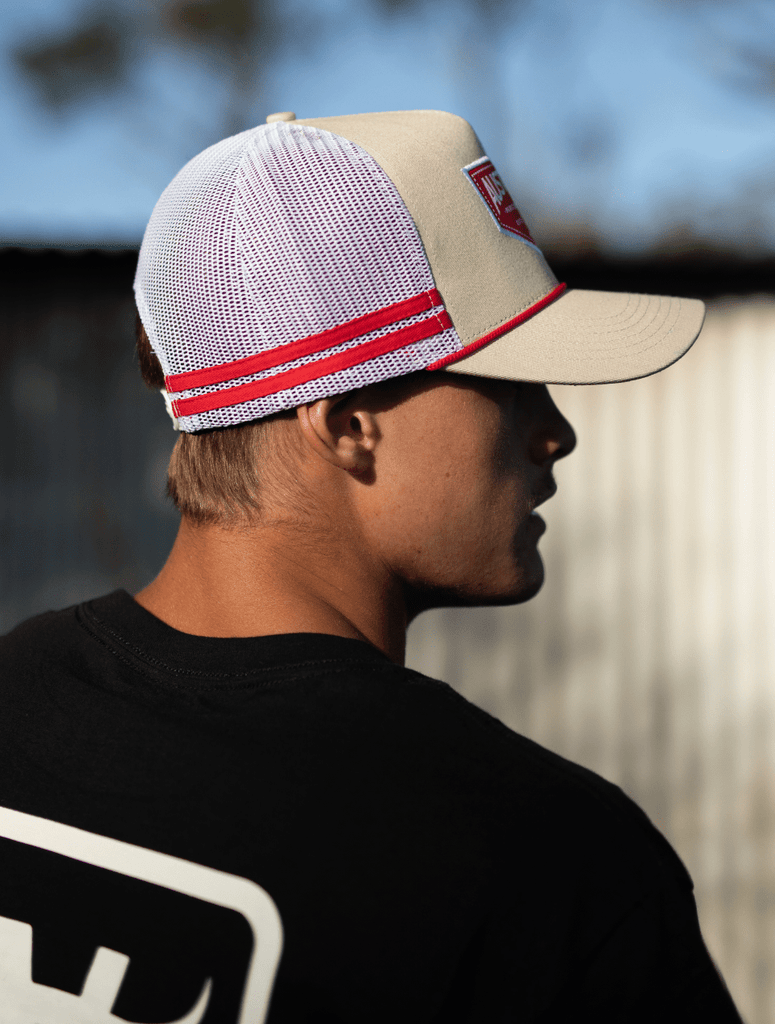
(84, 445)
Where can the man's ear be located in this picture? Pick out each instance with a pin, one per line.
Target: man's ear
(341, 430)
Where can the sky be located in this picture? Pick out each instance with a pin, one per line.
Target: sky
(630, 120)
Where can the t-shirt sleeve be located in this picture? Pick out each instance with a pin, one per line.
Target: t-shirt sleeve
(652, 967)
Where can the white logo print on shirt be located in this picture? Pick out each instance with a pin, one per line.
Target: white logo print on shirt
(24, 1001)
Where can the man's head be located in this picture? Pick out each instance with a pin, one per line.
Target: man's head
(365, 285)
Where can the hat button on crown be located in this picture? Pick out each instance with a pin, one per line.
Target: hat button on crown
(285, 115)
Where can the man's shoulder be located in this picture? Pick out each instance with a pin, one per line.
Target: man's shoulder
(38, 637)
(56, 645)
(535, 794)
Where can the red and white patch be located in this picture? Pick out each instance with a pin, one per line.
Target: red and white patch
(487, 182)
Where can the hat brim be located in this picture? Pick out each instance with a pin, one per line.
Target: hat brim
(590, 337)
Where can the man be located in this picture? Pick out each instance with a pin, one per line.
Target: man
(226, 799)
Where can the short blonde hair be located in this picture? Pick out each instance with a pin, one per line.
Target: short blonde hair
(214, 476)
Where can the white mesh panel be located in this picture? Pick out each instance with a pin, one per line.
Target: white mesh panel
(271, 236)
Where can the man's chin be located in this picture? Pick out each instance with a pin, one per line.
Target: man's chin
(529, 592)
(520, 594)
(483, 596)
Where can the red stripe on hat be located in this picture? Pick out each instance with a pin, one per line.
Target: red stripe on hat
(520, 318)
(312, 371)
(308, 346)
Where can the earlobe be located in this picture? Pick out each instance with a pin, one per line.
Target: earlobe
(340, 434)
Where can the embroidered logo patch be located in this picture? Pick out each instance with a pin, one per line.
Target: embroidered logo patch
(487, 182)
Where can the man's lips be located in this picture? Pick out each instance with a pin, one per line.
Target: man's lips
(545, 495)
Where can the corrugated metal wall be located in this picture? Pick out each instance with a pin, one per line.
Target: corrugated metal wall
(649, 655)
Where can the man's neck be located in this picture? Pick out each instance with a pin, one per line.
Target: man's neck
(265, 580)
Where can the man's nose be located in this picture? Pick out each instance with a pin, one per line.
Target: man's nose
(556, 438)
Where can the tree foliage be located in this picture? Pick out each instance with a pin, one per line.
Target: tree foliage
(94, 55)
(88, 57)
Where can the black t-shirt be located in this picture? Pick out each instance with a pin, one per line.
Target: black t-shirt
(173, 807)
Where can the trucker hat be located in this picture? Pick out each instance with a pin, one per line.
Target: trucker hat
(303, 258)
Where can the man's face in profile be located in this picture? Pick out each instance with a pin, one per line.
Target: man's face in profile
(463, 463)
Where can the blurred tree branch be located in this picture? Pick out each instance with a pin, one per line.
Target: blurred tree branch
(106, 51)
(233, 22)
(89, 57)
(97, 54)
(739, 50)
(93, 56)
